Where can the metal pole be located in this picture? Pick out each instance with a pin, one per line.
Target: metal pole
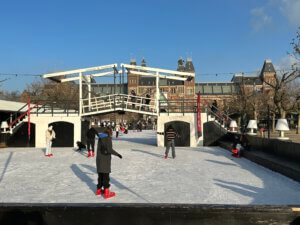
(120, 83)
(268, 121)
(90, 90)
(157, 92)
(80, 94)
(28, 114)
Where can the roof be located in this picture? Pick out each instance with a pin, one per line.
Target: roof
(267, 67)
(247, 80)
(217, 88)
(11, 106)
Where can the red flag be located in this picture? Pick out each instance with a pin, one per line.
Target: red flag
(199, 128)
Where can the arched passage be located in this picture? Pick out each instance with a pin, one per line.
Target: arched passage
(183, 130)
(64, 134)
(20, 136)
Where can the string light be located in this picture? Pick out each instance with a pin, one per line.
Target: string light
(197, 74)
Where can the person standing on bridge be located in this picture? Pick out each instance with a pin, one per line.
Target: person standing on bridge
(103, 163)
(133, 98)
(170, 135)
(147, 101)
(50, 136)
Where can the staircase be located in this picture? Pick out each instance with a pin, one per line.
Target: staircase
(18, 118)
(222, 119)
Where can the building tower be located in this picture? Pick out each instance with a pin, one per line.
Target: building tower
(267, 73)
(189, 86)
(132, 79)
(181, 66)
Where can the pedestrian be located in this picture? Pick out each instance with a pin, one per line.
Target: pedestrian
(147, 101)
(50, 136)
(91, 133)
(170, 135)
(117, 130)
(133, 98)
(103, 163)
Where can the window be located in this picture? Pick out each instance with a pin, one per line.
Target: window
(180, 89)
(189, 91)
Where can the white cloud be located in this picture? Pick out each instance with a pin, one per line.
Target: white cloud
(260, 20)
(286, 63)
(291, 10)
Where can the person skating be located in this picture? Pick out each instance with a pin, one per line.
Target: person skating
(91, 133)
(103, 163)
(50, 136)
(170, 135)
(117, 130)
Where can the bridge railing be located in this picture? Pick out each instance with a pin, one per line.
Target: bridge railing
(179, 106)
(117, 101)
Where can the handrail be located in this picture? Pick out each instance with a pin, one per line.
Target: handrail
(21, 116)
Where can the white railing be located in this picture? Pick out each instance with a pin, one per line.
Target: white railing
(117, 102)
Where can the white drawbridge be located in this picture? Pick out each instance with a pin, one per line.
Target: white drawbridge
(117, 102)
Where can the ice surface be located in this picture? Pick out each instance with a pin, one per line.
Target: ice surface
(205, 175)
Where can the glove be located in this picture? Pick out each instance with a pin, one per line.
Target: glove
(120, 156)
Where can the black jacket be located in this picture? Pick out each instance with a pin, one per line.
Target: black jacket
(91, 134)
(103, 162)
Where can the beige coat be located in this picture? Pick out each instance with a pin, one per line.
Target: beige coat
(50, 135)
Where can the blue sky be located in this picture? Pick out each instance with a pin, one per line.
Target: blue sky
(221, 36)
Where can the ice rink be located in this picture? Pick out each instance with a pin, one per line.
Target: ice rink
(204, 175)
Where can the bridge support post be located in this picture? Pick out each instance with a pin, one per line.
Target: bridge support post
(80, 94)
(157, 92)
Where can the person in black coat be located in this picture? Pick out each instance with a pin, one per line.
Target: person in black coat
(91, 133)
(103, 162)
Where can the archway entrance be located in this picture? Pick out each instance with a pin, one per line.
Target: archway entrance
(20, 137)
(183, 130)
(64, 134)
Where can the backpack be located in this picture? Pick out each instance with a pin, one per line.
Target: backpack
(103, 147)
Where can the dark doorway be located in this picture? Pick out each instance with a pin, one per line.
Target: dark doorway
(20, 137)
(64, 134)
(183, 131)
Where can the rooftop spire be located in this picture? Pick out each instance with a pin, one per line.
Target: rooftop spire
(189, 66)
(181, 66)
(143, 63)
(132, 61)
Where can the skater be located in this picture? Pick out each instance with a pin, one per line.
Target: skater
(81, 146)
(237, 147)
(50, 136)
(103, 163)
(117, 130)
(170, 135)
(91, 141)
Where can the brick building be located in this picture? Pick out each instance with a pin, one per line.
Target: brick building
(174, 90)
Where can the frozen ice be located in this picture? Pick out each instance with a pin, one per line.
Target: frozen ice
(204, 175)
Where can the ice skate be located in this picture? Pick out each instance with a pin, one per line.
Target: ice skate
(108, 194)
